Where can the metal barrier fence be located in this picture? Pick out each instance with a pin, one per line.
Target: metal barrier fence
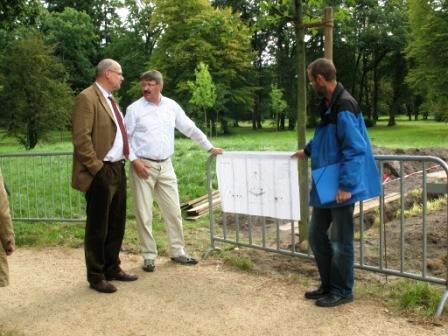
(392, 236)
(39, 190)
(39, 187)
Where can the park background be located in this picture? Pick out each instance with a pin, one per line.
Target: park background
(232, 65)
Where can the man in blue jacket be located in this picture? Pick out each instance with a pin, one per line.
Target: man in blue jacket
(340, 138)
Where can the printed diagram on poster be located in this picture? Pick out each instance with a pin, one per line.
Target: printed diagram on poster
(259, 184)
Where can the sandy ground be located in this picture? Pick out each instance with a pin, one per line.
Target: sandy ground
(49, 296)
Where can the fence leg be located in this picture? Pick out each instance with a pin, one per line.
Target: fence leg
(442, 303)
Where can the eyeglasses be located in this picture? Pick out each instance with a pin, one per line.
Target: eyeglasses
(117, 72)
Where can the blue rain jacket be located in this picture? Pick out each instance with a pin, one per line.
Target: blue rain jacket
(341, 137)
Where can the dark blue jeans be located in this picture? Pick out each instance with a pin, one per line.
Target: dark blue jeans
(333, 247)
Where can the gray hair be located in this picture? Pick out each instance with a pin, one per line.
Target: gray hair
(152, 75)
(104, 65)
(323, 67)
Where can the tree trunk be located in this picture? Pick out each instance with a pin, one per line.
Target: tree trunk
(376, 84)
(301, 120)
(282, 121)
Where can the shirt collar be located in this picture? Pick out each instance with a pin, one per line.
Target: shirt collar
(162, 99)
(103, 91)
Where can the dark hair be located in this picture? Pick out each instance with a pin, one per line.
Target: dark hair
(152, 75)
(323, 67)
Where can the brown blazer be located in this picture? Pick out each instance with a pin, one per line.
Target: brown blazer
(6, 234)
(93, 135)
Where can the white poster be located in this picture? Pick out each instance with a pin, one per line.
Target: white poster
(259, 183)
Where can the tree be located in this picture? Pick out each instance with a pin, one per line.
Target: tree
(132, 46)
(203, 90)
(374, 37)
(427, 51)
(193, 31)
(278, 104)
(73, 35)
(252, 14)
(35, 99)
(102, 12)
(18, 12)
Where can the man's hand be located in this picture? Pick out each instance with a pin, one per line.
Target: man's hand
(9, 248)
(216, 150)
(300, 154)
(343, 196)
(141, 169)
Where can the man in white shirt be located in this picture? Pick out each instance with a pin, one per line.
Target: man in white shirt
(151, 122)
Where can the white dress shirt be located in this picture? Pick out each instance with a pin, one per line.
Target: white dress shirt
(116, 151)
(151, 129)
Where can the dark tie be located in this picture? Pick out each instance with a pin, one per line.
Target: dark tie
(124, 134)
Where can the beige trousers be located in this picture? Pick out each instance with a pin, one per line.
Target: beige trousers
(161, 186)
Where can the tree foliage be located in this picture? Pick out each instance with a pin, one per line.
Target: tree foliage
(194, 32)
(18, 12)
(34, 100)
(428, 52)
(203, 90)
(73, 35)
(390, 54)
(278, 104)
(103, 14)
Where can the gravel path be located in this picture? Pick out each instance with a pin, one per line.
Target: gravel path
(49, 296)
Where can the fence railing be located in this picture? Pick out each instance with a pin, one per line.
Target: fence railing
(39, 187)
(393, 233)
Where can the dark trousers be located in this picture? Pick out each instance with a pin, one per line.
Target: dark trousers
(106, 218)
(333, 249)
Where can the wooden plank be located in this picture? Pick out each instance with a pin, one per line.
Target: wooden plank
(372, 204)
(197, 200)
(199, 208)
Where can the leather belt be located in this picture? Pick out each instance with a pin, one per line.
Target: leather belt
(152, 160)
(115, 162)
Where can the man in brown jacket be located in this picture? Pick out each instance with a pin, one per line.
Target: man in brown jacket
(100, 149)
(6, 235)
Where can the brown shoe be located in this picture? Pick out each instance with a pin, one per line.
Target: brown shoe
(103, 286)
(121, 276)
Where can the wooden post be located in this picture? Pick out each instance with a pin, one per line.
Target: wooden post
(327, 23)
(301, 120)
(328, 33)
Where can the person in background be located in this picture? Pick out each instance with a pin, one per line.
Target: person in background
(340, 138)
(151, 121)
(7, 242)
(100, 149)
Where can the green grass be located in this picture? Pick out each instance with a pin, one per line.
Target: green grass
(416, 297)
(410, 134)
(412, 297)
(233, 258)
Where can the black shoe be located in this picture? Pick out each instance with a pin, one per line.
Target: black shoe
(316, 293)
(149, 265)
(333, 300)
(184, 260)
(103, 286)
(121, 276)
